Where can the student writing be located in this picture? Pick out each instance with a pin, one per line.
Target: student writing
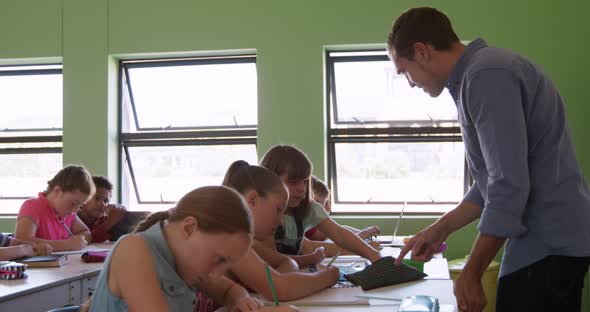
(175, 251)
(51, 217)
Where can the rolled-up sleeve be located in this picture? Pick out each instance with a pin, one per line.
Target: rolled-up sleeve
(474, 195)
(494, 102)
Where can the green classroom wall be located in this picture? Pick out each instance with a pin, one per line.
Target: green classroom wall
(289, 39)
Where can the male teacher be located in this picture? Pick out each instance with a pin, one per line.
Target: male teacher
(528, 189)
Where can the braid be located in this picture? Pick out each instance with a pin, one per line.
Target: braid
(151, 220)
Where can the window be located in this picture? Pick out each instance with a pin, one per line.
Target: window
(183, 122)
(389, 145)
(30, 131)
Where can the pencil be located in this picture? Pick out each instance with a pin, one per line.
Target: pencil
(377, 297)
(334, 258)
(67, 228)
(272, 286)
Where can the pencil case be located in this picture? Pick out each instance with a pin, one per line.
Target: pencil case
(12, 270)
(94, 256)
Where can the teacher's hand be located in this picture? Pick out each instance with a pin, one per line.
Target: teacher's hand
(469, 292)
(423, 245)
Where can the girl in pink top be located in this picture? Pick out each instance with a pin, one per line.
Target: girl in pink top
(51, 217)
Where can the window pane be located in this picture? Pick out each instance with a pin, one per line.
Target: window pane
(387, 172)
(25, 175)
(214, 95)
(31, 101)
(373, 92)
(167, 173)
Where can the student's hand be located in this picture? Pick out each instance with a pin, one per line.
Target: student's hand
(76, 243)
(246, 304)
(369, 232)
(423, 245)
(317, 256)
(469, 292)
(42, 249)
(27, 250)
(375, 244)
(333, 273)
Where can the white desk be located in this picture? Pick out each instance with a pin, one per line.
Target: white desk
(49, 288)
(441, 289)
(438, 284)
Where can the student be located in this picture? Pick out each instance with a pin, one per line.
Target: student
(51, 217)
(321, 194)
(191, 245)
(294, 169)
(11, 248)
(528, 192)
(267, 198)
(98, 214)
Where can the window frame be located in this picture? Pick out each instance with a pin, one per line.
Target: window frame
(126, 65)
(21, 134)
(396, 132)
(31, 72)
(332, 60)
(173, 136)
(29, 150)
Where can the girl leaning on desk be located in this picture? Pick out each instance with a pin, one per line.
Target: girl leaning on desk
(175, 251)
(266, 197)
(294, 168)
